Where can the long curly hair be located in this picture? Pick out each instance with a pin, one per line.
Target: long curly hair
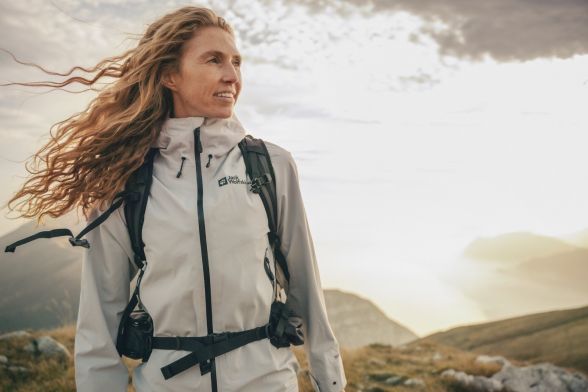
(93, 152)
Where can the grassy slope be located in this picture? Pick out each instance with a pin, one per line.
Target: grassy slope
(560, 337)
(365, 368)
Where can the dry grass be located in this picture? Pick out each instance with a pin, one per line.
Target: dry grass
(366, 368)
(559, 337)
(44, 374)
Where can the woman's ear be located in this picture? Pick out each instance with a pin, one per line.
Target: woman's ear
(168, 79)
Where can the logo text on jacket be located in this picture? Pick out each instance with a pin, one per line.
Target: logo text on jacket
(232, 180)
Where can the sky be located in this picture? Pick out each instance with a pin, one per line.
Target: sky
(417, 127)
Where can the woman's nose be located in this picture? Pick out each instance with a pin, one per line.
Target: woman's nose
(230, 73)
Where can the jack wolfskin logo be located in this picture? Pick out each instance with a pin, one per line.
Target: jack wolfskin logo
(232, 180)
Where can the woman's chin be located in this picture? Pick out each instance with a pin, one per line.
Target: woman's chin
(221, 113)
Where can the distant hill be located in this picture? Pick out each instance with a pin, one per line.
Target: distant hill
(523, 273)
(40, 282)
(568, 271)
(358, 322)
(560, 337)
(517, 246)
(579, 238)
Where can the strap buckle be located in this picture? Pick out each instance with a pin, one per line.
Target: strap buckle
(219, 337)
(257, 183)
(79, 242)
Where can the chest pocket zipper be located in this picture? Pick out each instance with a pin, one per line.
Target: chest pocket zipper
(181, 167)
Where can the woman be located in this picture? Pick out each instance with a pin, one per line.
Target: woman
(205, 237)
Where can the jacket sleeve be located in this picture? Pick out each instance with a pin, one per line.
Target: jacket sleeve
(106, 273)
(305, 295)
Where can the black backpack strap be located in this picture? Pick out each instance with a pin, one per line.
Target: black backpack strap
(263, 181)
(205, 348)
(74, 240)
(139, 184)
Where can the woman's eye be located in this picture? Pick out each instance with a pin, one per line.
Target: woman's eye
(217, 60)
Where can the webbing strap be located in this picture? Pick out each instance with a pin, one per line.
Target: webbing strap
(77, 240)
(259, 168)
(104, 215)
(205, 348)
(42, 234)
(121, 326)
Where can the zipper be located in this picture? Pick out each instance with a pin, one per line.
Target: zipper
(204, 250)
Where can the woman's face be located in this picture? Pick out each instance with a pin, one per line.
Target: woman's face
(210, 64)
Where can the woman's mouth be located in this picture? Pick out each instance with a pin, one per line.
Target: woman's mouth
(225, 96)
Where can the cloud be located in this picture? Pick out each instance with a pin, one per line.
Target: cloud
(506, 30)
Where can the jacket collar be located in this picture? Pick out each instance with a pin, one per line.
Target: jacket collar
(217, 135)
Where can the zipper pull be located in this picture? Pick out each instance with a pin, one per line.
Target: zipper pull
(209, 158)
(181, 166)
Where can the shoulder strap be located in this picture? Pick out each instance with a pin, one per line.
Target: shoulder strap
(263, 181)
(139, 184)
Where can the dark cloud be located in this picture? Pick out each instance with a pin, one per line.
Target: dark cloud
(506, 30)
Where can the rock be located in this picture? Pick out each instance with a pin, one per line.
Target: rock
(3, 360)
(15, 334)
(376, 362)
(17, 369)
(474, 383)
(46, 345)
(380, 377)
(414, 382)
(394, 380)
(437, 356)
(492, 359)
(542, 377)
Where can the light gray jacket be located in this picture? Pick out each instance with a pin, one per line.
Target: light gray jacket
(172, 289)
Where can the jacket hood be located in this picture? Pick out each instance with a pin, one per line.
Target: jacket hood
(217, 135)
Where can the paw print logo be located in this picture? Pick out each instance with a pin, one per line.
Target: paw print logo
(222, 181)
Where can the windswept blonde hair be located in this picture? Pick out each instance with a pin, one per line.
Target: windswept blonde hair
(94, 152)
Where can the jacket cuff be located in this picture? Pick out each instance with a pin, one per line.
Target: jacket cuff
(329, 375)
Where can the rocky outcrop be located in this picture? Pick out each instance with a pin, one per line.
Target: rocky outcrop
(44, 346)
(474, 383)
(15, 334)
(47, 346)
(542, 377)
